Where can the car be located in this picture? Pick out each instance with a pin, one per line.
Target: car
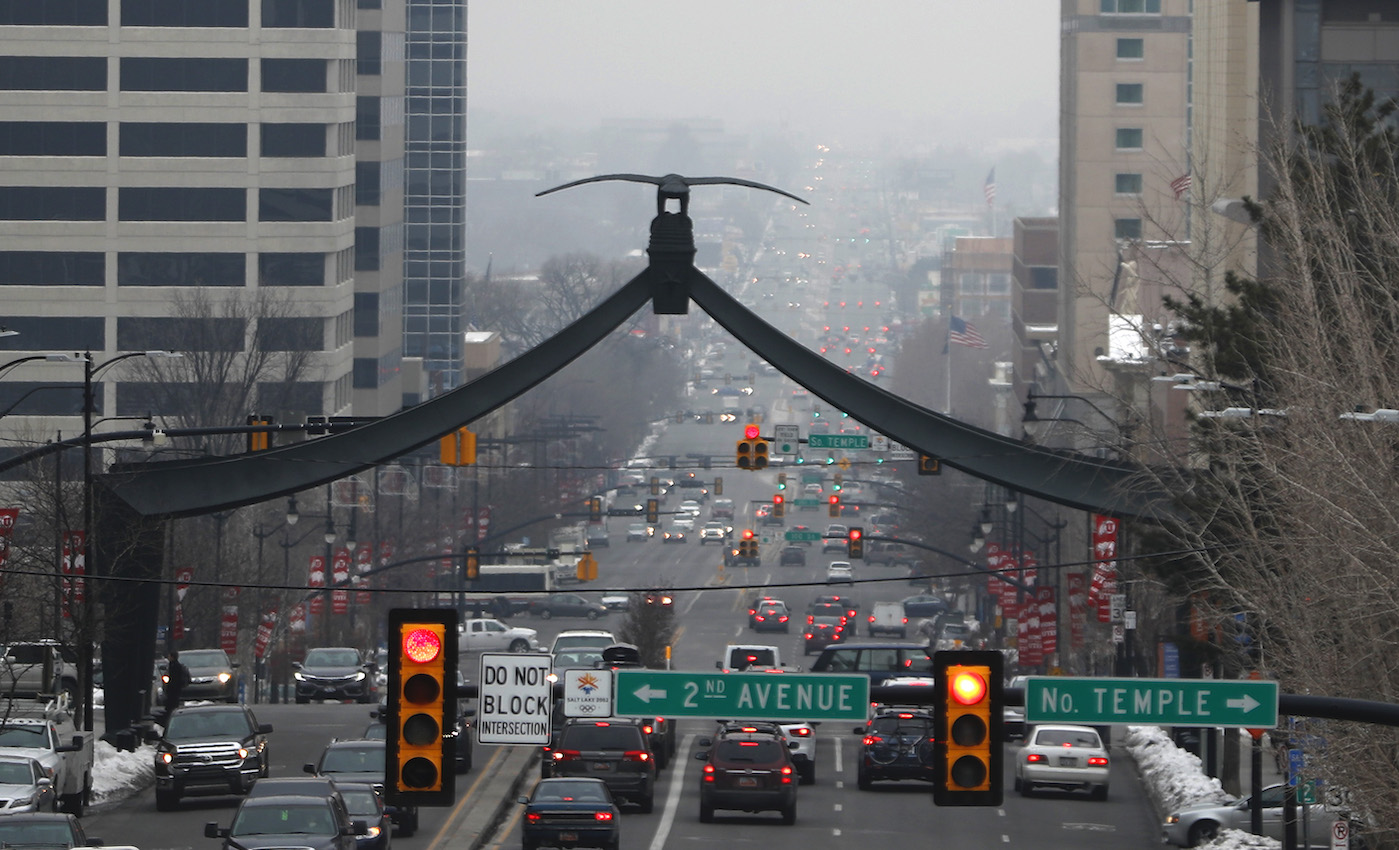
(748, 771)
(1067, 758)
(335, 672)
(887, 618)
(485, 634)
(897, 744)
(567, 605)
(800, 739)
(674, 533)
(812, 490)
(691, 507)
(822, 631)
(840, 572)
(772, 616)
(1198, 824)
(614, 750)
(923, 605)
(210, 675)
(849, 605)
(753, 602)
(365, 803)
(1013, 716)
(792, 556)
(722, 509)
(597, 537)
(47, 830)
(25, 786)
(315, 823)
(879, 661)
(801, 528)
(835, 544)
(362, 761)
(716, 531)
(208, 749)
(570, 812)
(639, 532)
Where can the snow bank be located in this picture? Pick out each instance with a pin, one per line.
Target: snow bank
(1233, 839)
(117, 775)
(1173, 777)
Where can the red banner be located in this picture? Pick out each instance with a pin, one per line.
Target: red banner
(264, 633)
(385, 553)
(297, 621)
(315, 581)
(1104, 581)
(1049, 621)
(1031, 648)
(364, 562)
(340, 574)
(1077, 601)
(183, 577)
(228, 630)
(8, 516)
(483, 523)
(74, 568)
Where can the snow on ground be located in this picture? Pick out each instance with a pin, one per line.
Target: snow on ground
(117, 775)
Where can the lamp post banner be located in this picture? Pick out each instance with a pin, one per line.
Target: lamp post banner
(1104, 582)
(316, 581)
(7, 529)
(264, 633)
(1049, 626)
(74, 568)
(1077, 600)
(364, 562)
(228, 633)
(340, 574)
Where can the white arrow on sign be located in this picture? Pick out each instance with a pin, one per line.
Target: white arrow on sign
(1246, 702)
(646, 693)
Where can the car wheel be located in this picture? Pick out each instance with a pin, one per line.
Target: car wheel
(789, 813)
(1202, 831)
(1100, 793)
(648, 805)
(706, 812)
(1024, 787)
(545, 614)
(165, 800)
(592, 615)
(409, 824)
(519, 645)
(862, 780)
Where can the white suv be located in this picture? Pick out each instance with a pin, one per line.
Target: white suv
(839, 572)
(716, 531)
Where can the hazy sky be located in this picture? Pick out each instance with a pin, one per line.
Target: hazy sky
(916, 72)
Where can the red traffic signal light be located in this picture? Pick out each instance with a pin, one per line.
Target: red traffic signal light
(968, 728)
(421, 707)
(967, 687)
(750, 432)
(855, 543)
(747, 534)
(835, 506)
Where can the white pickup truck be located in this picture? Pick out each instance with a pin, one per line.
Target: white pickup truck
(44, 731)
(482, 634)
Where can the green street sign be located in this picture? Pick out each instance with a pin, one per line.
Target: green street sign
(742, 696)
(812, 477)
(838, 441)
(806, 503)
(1173, 702)
(799, 536)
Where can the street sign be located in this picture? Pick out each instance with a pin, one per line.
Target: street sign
(786, 439)
(805, 503)
(879, 443)
(898, 451)
(844, 463)
(742, 696)
(515, 699)
(1165, 702)
(838, 441)
(587, 693)
(802, 536)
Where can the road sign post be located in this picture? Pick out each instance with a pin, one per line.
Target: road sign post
(1167, 702)
(744, 696)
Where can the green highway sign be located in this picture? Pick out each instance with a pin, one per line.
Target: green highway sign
(806, 503)
(812, 477)
(838, 441)
(1172, 702)
(802, 535)
(742, 696)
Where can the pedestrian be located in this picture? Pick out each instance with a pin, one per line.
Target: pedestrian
(177, 677)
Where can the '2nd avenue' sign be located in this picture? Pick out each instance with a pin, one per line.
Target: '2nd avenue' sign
(1175, 702)
(742, 696)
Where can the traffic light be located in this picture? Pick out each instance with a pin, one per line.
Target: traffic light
(837, 481)
(473, 562)
(420, 767)
(835, 506)
(655, 486)
(748, 546)
(855, 543)
(967, 728)
(752, 451)
(587, 567)
(779, 506)
(782, 481)
(653, 511)
(458, 448)
(929, 465)
(718, 484)
(260, 441)
(595, 509)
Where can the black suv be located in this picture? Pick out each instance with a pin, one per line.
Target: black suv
(898, 744)
(335, 672)
(208, 749)
(751, 771)
(615, 750)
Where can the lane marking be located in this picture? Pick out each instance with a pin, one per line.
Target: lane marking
(672, 800)
(1001, 812)
(837, 807)
(449, 825)
(840, 767)
(1005, 839)
(835, 830)
(510, 823)
(839, 784)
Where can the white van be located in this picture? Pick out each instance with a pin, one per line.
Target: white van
(746, 656)
(887, 618)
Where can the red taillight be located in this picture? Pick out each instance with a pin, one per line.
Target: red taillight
(851, 614)
(567, 755)
(801, 731)
(811, 618)
(709, 773)
(636, 755)
(905, 621)
(1097, 761)
(871, 739)
(1034, 758)
(602, 815)
(533, 817)
(602, 723)
(807, 635)
(782, 619)
(905, 716)
(871, 618)
(646, 729)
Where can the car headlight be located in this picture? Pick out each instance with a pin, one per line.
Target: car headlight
(243, 752)
(359, 677)
(373, 832)
(298, 676)
(167, 757)
(1173, 817)
(224, 677)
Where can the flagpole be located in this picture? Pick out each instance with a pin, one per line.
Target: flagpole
(947, 385)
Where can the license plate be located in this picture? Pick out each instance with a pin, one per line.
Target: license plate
(568, 836)
(602, 765)
(1068, 761)
(747, 782)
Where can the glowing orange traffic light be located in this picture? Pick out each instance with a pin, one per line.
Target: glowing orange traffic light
(421, 707)
(968, 728)
(750, 432)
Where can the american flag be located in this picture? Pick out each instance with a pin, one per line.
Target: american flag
(965, 333)
(989, 187)
(1180, 185)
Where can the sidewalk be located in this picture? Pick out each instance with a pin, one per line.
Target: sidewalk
(494, 785)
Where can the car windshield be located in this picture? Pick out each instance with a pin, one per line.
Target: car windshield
(577, 658)
(1067, 738)
(52, 832)
(16, 773)
(353, 760)
(902, 726)
(566, 792)
(585, 737)
(299, 819)
(331, 658)
(204, 659)
(206, 724)
(748, 751)
(563, 643)
(743, 659)
(358, 802)
(27, 736)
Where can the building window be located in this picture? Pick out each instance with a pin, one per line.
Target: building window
(53, 73)
(366, 249)
(366, 371)
(179, 203)
(53, 203)
(53, 138)
(369, 52)
(1044, 277)
(47, 398)
(302, 76)
(998, 284)
(1131, 48)
(293, 140)
(290, 334)
(139, 73)
(305, 14)
(1131, 7)
(367, 118)
(1129, 94)
(1127, 228)
(367, 183)
(184, 13)
(291, 269)
(52, 268)
(370, 4)
(366, 314)
(60, 333)
(970, 283)
(1128, 184)
(62, 13)
(149, 268)
(296, 205)
(141, 333)
(183, 140)
(1129, 138)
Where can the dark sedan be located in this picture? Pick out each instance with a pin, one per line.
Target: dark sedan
(571, 812)
(263, 823)
(568, 605)
(792, 556)
(335, 672)
(364, 803)
(923, 605)
(823, 631)
(772, 617)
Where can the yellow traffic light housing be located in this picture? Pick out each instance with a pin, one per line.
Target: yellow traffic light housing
(653, 511)
(743, 454)
(587, 567)
(855, 543)
(595, 509)
(259, 441)
(837, 481)
(760, 453)
(458, 448)
(718, 484)
(473, 563)
(967, 728)
(779, 506)
(929, 465)
(835, 506)
(420, 764)
(782, 481)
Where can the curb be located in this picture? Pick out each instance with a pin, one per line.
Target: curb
(482, 820)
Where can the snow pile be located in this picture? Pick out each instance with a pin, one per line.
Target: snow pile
(117, 775)
(1174, 777)
(1233, 839)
